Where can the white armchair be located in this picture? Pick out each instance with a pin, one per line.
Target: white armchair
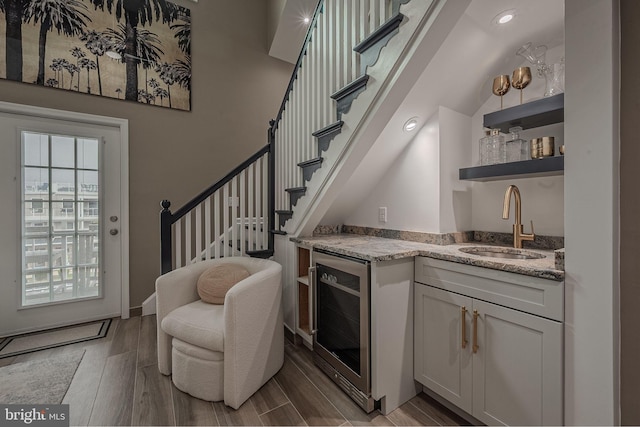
(217, 352)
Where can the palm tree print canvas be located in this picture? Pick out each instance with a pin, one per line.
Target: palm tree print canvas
(136, 50)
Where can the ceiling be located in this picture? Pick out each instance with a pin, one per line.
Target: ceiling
(478, 49)
(458, 77)
(291, 28)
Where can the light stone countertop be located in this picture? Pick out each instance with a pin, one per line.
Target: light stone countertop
(373, 248)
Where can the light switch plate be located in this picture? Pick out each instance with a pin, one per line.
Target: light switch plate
(382, 214)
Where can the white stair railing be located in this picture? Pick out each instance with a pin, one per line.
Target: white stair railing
(236, 215)
(326, 64)
(227, 219)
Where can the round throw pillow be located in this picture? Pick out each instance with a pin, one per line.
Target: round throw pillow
(214, 283)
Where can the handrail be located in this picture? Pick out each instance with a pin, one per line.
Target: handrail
(167, 219)
(192, 212)
(303, 52)
(190, 205)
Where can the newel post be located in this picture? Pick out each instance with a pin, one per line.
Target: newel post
(272, 180)
(165, 237)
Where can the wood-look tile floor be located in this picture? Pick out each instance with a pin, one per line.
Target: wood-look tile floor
(118, 383)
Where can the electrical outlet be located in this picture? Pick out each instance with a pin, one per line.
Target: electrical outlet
(382, 214)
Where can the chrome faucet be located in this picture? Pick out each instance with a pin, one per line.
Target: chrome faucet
(518, 230)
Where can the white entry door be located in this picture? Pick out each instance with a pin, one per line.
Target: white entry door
(64, 231)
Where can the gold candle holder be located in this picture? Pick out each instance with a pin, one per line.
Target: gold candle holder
(535, 148)
(547, 146)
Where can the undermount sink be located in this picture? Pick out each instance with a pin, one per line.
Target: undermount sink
(496, 252)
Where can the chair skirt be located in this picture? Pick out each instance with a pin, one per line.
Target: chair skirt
(197, 371)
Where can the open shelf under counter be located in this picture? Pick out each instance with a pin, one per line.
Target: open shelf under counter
(547, 166)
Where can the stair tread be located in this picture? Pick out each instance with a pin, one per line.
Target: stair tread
(380, 33)
(351, 87)
(284, 212)
(264, 253)
(295, 189)
(310, 162)
(333, 127)
(280, 232)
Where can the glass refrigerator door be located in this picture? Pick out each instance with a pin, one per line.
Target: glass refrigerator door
(338, 315)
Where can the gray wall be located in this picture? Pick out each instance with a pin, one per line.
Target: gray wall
(629, 214)
(274, 12)
(174, 155)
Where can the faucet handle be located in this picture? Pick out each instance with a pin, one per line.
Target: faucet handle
(532, 230)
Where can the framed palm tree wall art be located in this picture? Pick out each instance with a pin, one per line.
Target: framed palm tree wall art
(136, 50)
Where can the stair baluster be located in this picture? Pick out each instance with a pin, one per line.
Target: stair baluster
(237, 215)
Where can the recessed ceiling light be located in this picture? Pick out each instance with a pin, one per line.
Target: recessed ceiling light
(504, 17)
(306, 20)
(411, 124)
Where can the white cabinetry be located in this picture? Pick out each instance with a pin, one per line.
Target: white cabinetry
(499, 364)
(441, 363)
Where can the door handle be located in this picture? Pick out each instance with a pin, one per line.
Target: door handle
(475, 331)
(463, 320)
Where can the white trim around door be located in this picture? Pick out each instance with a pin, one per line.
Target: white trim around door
(123, 126)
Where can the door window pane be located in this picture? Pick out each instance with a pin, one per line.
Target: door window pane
(61, 218)
(88, 183)
(88, 154)
(36, 252)
(36, 149)
(63, 182)
(63, 152)
(63, 215)
(35, 183)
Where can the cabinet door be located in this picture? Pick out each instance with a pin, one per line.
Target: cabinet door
(517, 369)
(440, 361)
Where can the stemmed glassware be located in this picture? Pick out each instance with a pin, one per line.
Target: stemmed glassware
(520, 79)
(501, 86)
(535, 55)
(553, 74)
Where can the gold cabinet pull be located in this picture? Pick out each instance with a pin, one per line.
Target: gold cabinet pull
(475, 331)
(463, 317)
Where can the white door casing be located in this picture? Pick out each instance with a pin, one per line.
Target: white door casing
(113, 134)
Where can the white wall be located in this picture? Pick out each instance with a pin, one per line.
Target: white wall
(421, 189)
(422, 192)
(591, 213)
(455, 195)
(542, 198)
(409, 189)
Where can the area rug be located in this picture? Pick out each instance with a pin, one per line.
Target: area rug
(36, 382)
(35, 341)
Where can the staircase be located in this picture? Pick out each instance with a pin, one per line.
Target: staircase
(352, 54)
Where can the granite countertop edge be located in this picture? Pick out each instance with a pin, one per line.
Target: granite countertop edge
(377, 249)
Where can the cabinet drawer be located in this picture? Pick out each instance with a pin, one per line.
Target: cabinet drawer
(533, 295)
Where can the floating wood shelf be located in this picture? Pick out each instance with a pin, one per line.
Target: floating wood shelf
(542, 112)
(548, 166)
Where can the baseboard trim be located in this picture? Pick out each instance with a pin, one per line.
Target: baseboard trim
(453, 408)
(135, 311)
(289, 335)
